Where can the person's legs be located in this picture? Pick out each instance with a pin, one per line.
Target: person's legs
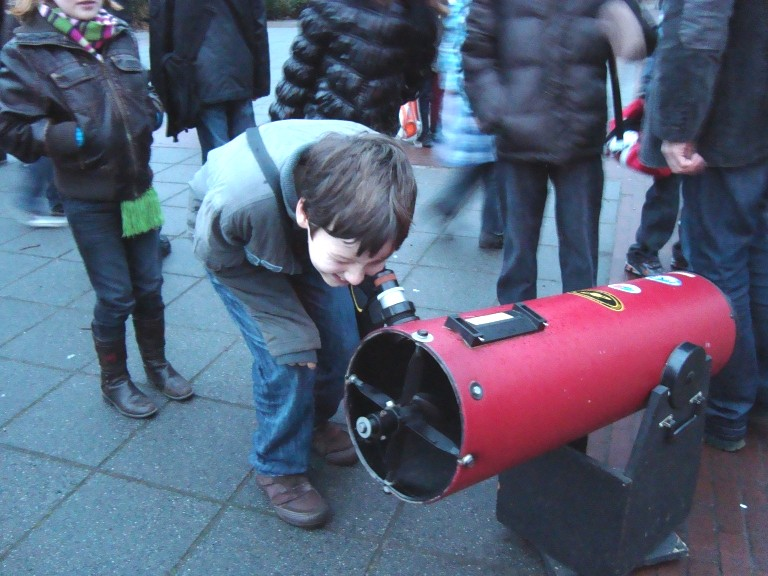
(44, 174)
(657, 224)
(219, 123)
(97, 229)
(724, 238)
(212, 128)
(579, 193)
(283, 398)
(425, 104)
(460, 186)
(37, 195)
(284, 402)
(144, 260)
(240, 117)
(333, 312)
(492, 218)
(758, 298)
(523, 186)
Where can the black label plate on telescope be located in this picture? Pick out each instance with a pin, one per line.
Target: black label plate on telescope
(479, 330)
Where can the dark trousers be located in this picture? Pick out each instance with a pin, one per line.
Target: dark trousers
(658, 217)
(126, 273)
(725, 238)
(578, 196)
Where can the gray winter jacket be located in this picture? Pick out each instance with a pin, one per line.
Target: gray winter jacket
(710, 81)
(239, 236)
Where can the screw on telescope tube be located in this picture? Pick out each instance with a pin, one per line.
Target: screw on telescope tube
(467, 461)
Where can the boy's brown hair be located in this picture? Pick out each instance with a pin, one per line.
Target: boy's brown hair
(25, 9)
(359, 188)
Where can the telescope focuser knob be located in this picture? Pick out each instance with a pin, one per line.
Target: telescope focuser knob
(377, 425)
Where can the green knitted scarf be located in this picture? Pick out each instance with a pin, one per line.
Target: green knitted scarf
(141, 214)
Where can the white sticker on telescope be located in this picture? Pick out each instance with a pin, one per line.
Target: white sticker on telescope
(664, 279)
(628, 288)
(488, 319)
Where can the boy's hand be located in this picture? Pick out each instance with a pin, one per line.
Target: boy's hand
(310, 365)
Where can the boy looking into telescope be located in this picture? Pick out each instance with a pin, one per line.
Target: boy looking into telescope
(282, 260)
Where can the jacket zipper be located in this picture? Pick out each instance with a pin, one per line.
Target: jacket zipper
(123, 115)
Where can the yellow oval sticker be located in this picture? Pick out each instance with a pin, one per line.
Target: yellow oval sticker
(601, 297)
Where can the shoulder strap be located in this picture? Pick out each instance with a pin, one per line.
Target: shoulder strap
(618, 112)
(271, 173)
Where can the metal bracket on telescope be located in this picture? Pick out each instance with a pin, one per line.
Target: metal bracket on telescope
(591, 520)
(479, 330)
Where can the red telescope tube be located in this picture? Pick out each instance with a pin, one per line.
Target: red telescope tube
(437, 405)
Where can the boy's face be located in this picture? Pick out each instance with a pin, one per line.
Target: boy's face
(80, 9)
(336, 259)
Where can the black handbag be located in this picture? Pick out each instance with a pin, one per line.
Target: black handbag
(182, 103)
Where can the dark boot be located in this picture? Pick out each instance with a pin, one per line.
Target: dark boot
(150, 336)
(116, 385)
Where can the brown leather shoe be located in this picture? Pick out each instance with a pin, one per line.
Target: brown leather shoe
(295, 500)
(332, 441)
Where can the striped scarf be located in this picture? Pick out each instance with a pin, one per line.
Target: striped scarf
(144, 213)
(90, 34)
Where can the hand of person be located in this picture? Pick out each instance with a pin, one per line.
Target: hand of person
(310, 365)
(622, 29)
(682, 157)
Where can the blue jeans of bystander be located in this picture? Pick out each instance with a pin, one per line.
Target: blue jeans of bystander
(578, 196)
(725, 237)
(220, 123)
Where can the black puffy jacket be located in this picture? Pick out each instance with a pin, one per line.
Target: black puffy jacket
(49, 86)
(535, 74)
(357, 60)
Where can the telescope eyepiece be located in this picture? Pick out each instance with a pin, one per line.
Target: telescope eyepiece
(395, 308)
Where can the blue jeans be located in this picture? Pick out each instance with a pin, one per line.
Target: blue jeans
(220, 123)
(658, 216)
(725, 238)
(126, 273)
(37, 193)
(578, 196)
(291, 400)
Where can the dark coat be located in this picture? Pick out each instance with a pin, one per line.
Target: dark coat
(535, 75)
(49, 86)
(357, 60)
(710, 81)
(232, 63)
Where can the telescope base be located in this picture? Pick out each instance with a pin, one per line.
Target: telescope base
(673, 548)
(594, 520)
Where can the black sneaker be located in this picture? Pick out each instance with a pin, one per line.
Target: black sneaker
(724, 444)
(643, 265)
(678, 261)
(490, 241)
